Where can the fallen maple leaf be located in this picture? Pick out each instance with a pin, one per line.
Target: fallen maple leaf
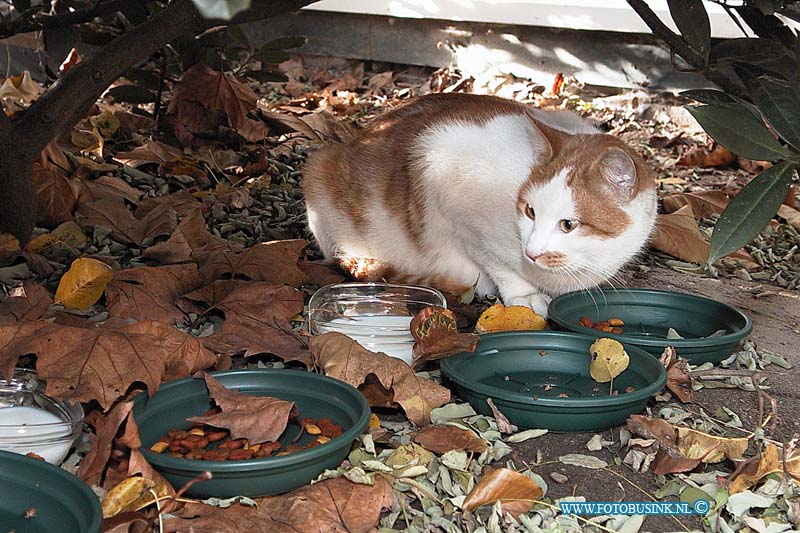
(274, 262)
(183, 354)
(106, 187)
(82, 285)
(343, 358)
(56, 197)
(217, 91)
(199, 300)
(320, 126)
(332, 505)
(678, 235)
(517, 493)
(702, 203)
(255, 418)
(191, 241)
(182, 202)
(436, 335)
(150, 152)
(149, 293)
(679, 380)
(28, 302)
(106, 427)
(113, 214)
(444, 438)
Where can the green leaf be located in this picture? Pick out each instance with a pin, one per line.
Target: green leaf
(709, 96)
(692, 21)
(738, 130)
(220, 9)
(284, 43)
(271, 57)
(237, 34)
(132, 94)
(750, 210)
(779, 102)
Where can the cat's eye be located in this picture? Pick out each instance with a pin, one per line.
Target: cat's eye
(529, 212)
(568, 224)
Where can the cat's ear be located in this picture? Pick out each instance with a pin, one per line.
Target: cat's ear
(620, 171)
(547, 140)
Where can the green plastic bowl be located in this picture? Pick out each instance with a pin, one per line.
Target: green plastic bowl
(62, 501)
(525, 385)
(316, 396)
(648, 314)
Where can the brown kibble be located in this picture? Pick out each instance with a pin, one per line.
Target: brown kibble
(563, 395)
(35, 456)
(329, 429)
(607, 329)
(215, 455)
(322, 439)
(195, 454)
(630, 389)
(241, 454)
(159, 447)
(618, 331)
(542, 353)
(176, 433)
(264, 452)
(179, 446)
(214, 436)
(254, 448)
(30, 512)
(615, 322)
(312, 429)
(586, 322)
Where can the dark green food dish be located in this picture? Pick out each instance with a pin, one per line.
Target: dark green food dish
(62, 501)
(648, 314)
(525, 385)
(316, 396)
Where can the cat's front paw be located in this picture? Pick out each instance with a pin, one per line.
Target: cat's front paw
(537, 302)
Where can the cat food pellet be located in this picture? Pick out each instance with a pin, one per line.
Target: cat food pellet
(254, 448)
(630, 389)
(214, 436)
(615, 322)
(563, 395)
(586, 322)
(313, 429)
(322, 439)
(547, 386)
(542, 353)
(197, 431)
(159, 447)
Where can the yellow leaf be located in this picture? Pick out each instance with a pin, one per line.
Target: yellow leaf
(71, 234)
(90, 141)
(753, 473)
(124, 494)
(106, 123)
(709, 448)
(374, 421)
(609, 360)
(8, 243)
(83, 284)
(516, 492)
(678, 235)
(40, 242)
(515, 317)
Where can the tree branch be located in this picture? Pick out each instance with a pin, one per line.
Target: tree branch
(678, 46)
(42, 22)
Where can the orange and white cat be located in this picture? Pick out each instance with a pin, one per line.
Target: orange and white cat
(450, 189)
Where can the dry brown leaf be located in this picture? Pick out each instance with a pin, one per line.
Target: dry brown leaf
(28, 303)
(515, 317)
(107, 187)
(707, 448)
(671, 461)
(444, 438)
(320, 126)
(218, 91)
(703, 156)
(149, 293)
(437, 336)
(274, 262)
(332, 505)
(127, 522)
(790, 215)
(56, 197)
(150, 152)
(9, 244)
(678, 235)
(198, 301)
(770, 462)
(82, 285)
(106, 427)
(679, 380)
(184, 354)
(138, 465)
(255, 418)
(320, 274)
(703, 203)
(16, 340)
(516, 492)
(182, 202)
(341, 357)
(191, 241)
(653, 428)
(112, 214)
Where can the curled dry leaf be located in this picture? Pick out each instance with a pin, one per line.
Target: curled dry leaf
(149, 293)
(609, 360)
(696, 444)
(515, 317)
(791, 215)
(516, 492)
(703, 156)
(703, 203)
(444, 438)
(105, 427)
(679, 380)
(341, 357)
(83, 284)
(8, 244)
(770, 462)
(56, 196)
(504, 425)
(274, 262)
(678, 235)
(125, 493)
(189, 242)
(436, 335)
(331, 505)
(255, 418)
(28, 302)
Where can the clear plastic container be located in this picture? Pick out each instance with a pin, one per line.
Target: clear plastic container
(377, 315)
(30, 421)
